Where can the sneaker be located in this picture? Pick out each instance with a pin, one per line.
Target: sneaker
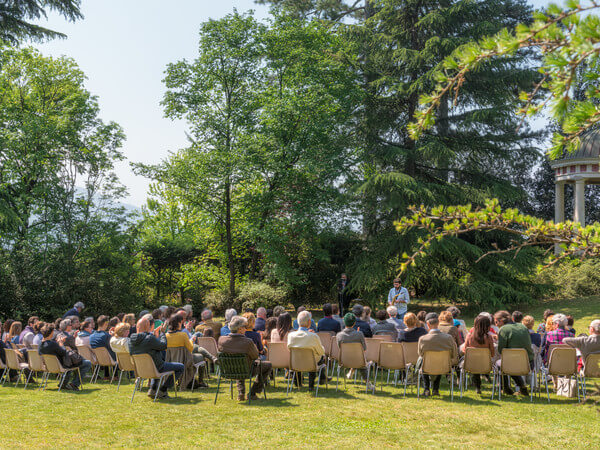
(163, 394)
(66, 387)
(241, 398)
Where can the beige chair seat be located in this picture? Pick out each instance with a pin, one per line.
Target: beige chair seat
(146, 370)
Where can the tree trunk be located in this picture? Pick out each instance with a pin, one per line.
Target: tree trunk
(228, 239)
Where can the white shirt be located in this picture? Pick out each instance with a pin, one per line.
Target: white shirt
(402, 295)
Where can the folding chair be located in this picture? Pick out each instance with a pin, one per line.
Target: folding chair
(125, 364)
(411, 356)
(385, 336)
(145, 369)
(334, 354)
(279, 357)
(13, 362)
(562, 363)
(235, 367)
(478, 361)
(326, 337)
(391, 357)
(436, 363)
(591, 369)
(36, 364)
(104, 360)
(87, 353)
(210, 345)
(4, 369)
(514, 362)
(372, 351)
(53, 366)
(352, 356)
(303, 360)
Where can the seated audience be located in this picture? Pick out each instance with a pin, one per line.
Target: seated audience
(458, 323)
(542, 327)
(261, 318)
(555, 336)
(480, 337)
(313, 325)
(130, 319)
(6, 329)
(278, 310)
(517, 317)
(284, 326)
(349, 335)
(493, 329)
(236, 343)
(158, 315)
(65, 329)
(586, 344)
(250, 333)
(86, 330)
(14, 333)
(435, 341)
(119, 342)
(37, 339)
(229, 314)
(413, 330)
(529, 322)
(383, 326)
(101, 337)
(328, 323)
(304, 338)
(421, 318)
(154, 344)
(570, 323)
(270, 325)
(446, 325)
(335, 314)
(361, 325)
(367, 317)
(49, 346)
(394, 319)
(512, 335)
(28, 333)
(207, 322)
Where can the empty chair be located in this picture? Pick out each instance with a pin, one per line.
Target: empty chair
(210, 345)
(53, 366)
(562, 363)
(352, 356)
(125, 364)
(434, 364)
(36, 364)
(279, 356)
(391, 357)
(14, 362)
(303, 360)
(591, 369)
(477, 361)
(515, 363)
(145, 369)
(104, 359)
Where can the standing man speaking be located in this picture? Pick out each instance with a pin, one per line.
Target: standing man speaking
(399, 298)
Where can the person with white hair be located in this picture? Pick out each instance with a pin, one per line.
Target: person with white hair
(207, 322)
(304, 338)
(75, 311)
(586, 344)
(555, 336)
(189, 309)
(394, 319)
(229, 314)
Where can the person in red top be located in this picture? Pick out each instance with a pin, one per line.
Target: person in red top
(479, 337)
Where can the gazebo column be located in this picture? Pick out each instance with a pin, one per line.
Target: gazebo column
(559, 202)
(579, 202)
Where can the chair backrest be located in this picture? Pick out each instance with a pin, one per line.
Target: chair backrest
(326, 337)
(515, 362)
(591, 367)
(437, 363)
(372, 351)
(12, 360)
(279, 355)
(302, 360)
(563, 361)
(103, 357)
(478, 360)
(335, 350)
(234, 366)
(352, 355)
(36, 362)
(125, 362)
(13, 346)
(553, 346)
(144, 366)
(52, 363)
(391, 356)
(2, 365)
(411, 352)
(209, 344)
(385, 336)
(34, 346)
(87, 353)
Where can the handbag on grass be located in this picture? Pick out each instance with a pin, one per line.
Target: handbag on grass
(566, 387)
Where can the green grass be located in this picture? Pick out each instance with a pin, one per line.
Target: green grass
(100, 416)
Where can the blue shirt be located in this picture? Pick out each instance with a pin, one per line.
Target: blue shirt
(402, 295)
(329, 324)
(313, 325)
(71, 312)
(225, 331)
(259, 325)
(101, 339)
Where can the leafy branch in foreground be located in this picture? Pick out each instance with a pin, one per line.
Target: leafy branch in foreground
(444, 221)
(568, 39)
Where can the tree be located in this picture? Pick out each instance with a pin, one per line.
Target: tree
(15, 17)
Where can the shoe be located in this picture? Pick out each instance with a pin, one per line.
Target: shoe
(163, 394)
(151, 393)
(66, 387)
(201, 385)
(508, 391)
(435, 393)
(426, 393)
(73, 387)
(241, 397)
(524, 392)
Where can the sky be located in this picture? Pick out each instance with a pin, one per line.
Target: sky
(123, 47)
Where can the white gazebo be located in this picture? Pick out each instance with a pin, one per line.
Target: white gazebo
(579, 168)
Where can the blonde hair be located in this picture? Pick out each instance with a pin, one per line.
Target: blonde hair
(251, 318)
(410, 320)
(549, 323)
(528, 321)
(122, 329)
(129, 318)
(446, 316)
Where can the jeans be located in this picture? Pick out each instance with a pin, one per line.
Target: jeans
(168, 381)
(84, 368)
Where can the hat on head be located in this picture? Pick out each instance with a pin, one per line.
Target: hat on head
(349, 319)
(357, 310)
(431, 316)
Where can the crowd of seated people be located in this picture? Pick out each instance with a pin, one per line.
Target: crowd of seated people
(251, 333)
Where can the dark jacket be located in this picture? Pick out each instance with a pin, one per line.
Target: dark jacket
(412, 335)
(147, 343)
(102, 339)
(69, 340)
(71, 312)
(259, 324)
(236, 343)
(385, 327)
(365, 328)
(52, 347)
(329, 324)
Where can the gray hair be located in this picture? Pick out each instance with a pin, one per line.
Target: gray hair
(163, 308)
(64, 324)
(262, 311)
(149, 318)
(560, 320)
(595, 325)
(188, 308)
(392, 311)
(206, 314)
(304, 318)
(229, 315)
(278, 310)
(236, 323)
(78, 305)
(488, 315)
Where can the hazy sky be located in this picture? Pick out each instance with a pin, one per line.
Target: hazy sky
(123, 46)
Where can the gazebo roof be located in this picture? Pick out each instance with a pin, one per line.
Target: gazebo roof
(589, 148)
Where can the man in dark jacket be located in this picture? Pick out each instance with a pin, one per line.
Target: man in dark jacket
(360, 324)
(75, 311)
(154, 344)
(328, 323)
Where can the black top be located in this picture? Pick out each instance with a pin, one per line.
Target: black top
(141, 343)
(412, 335)
(52, 347)
(71, 312)
(363, 327)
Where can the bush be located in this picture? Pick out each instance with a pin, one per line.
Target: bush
(218, 301)
(574, 278)
(255, 294)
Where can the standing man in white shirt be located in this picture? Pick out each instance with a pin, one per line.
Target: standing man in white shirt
(399, 298)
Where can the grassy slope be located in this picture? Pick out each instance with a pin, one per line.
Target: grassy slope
(101, 417)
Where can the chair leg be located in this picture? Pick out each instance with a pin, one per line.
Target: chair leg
(318, 382)
(460, 380)
(419, 386)
(405, 381)
(338, 379)
(452, 384)
(174, 385)
(547, 390)
(114, 371)
(119, 383)
(135, 387)
(160, 380)
(218, 384)
(532, 380)
(375, 380)
(193, 380)
(291, 375)
(31, 372)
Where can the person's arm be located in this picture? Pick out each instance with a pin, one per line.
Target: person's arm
(454, 353)
(405, 295)
(501, 341)
(390, 297)
(158, 343)
(491, 346)
(573, 342)
(188, 343)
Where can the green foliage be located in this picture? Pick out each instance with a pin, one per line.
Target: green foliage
(255, 294)
(573, 278)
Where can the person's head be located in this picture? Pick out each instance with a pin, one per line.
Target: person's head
(112, 323)
(75, 322)
(6, 325)
(481, 328)
(335, 309)
(517, 316)
(65, 325)
(381, 315)
(79, 306)
(358, 310)
(327, 310)
(103, 322)
(189, 309)
(392, 311)
(454, 311)
(366, 313)
(300, 309)
(284, 324)
(269, 312)
(559, 320)
(168, 312)
(206, 314)
(344, 276)
(548, 313)
(57, 323)
(87, 325)
(410, 320)
(397, 283)
(278, 310)
(270, 325)
(501, 318)
(229, 314)
(143, 325)
(157, 314)
(120, 316)
(304, 319)
(122, 329)
(261, 312)
(238, 324)
(15, 329)
(38, 326)
(32, 320)
(595, 327)
(250, 319)
(175, 323)
(529, 322)
(142, 313)
(550, 323)
(570, 321)
(432, 320)
(47, 331)
(349, 320)
(130, 319)
(446, 317)
(421, 316)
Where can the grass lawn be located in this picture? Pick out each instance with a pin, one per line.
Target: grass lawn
(100, 416)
